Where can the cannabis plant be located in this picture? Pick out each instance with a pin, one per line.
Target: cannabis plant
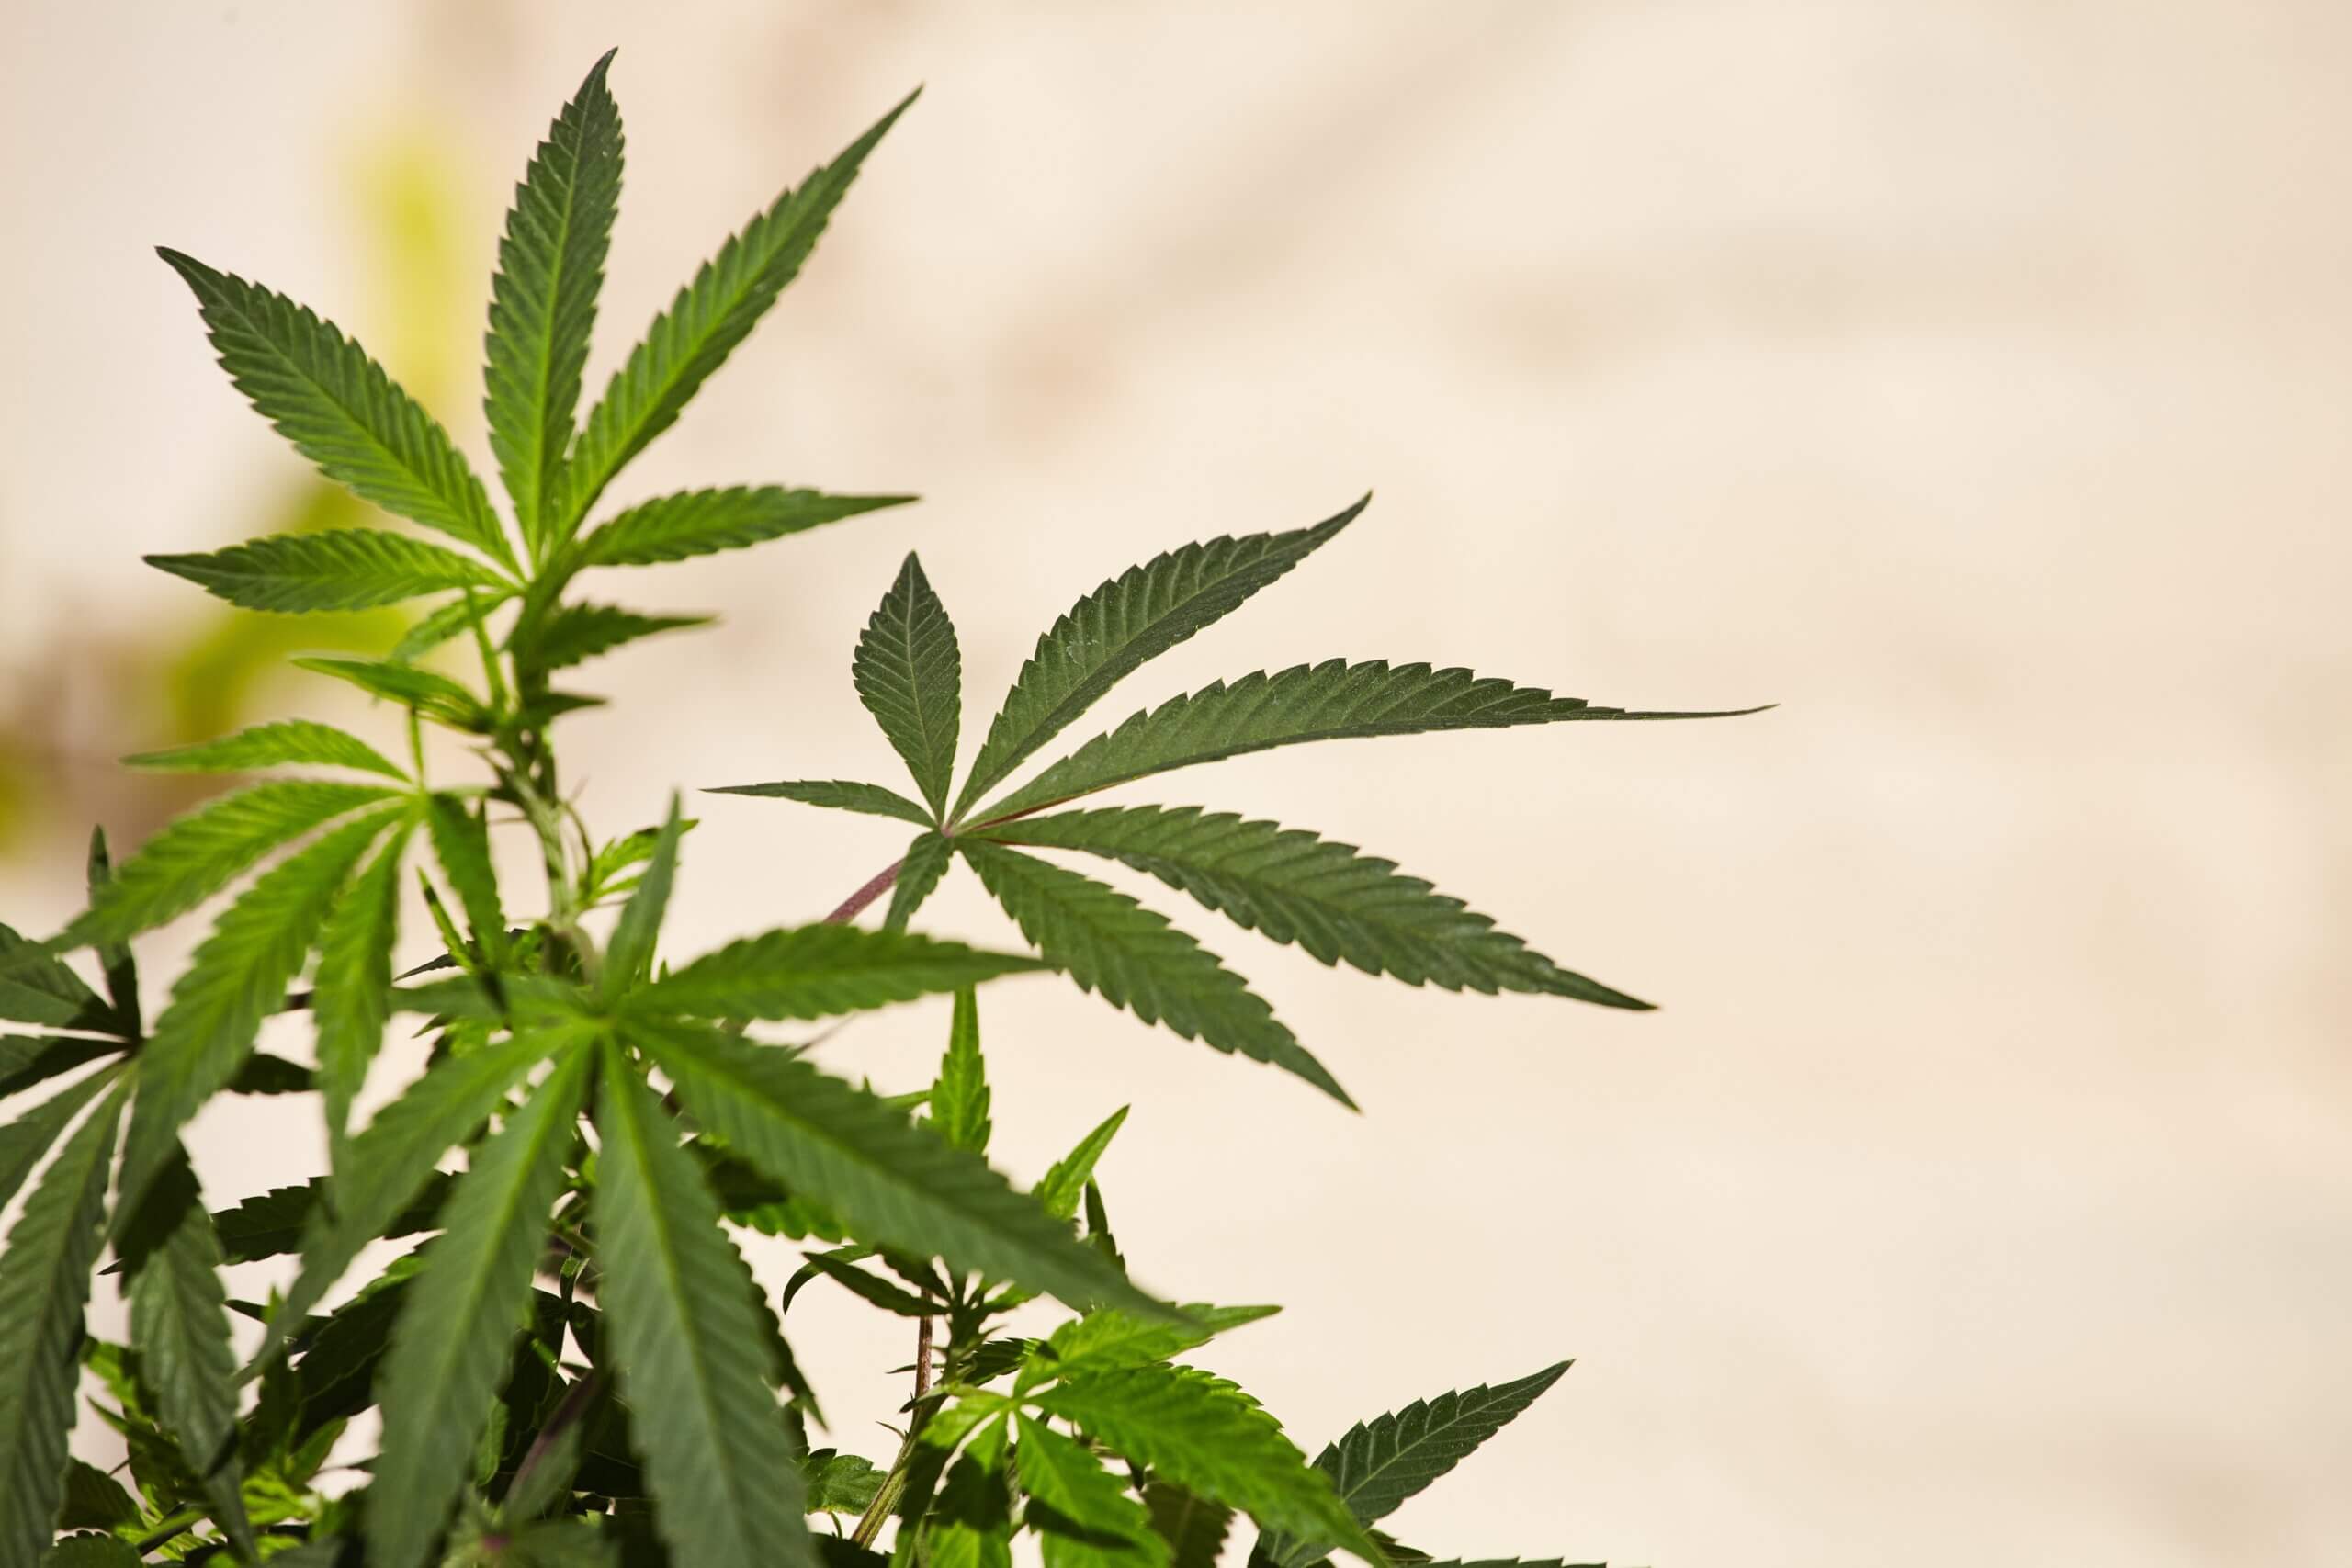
(571, 1363)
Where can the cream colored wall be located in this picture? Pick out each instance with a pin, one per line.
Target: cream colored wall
(1969, 376)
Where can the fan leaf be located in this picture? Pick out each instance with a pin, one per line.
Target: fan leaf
(842, 794)
(816, 971)
(705, 522)
(350, 1001)
(909, 675)
(1331, 701)
(203, 851)
(288, 741)
(959, 1095)
(336, 568)
(919, 873)
(339, 409)
(704, 323)
(894, 1183)
(681, 1326)
(1380, 1463)
(1132, 618)
(237, 979)
(44, 1285)
(1111, 945)
(543, 299)
(575, 633)
(453, 1341)
(1303, 890)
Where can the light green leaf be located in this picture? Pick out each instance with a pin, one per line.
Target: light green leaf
(1109, 943)
(454, 619)
(909, 675)
(393, 1158)
(461, 844)
(349, 1000)
(1135, 617)
(179, 1322)
(293, 740)
(1111, 1526)
(680, 1325)
(919, 873)
(839, 1482)
(893, 1182)
(1108, 1337)
(434, 696)
(1066, 1179)
(959, 1095)
(36, 986)
(709, 317)
(1331, 701)
(705, 522)
(816, 971)
(237, 979)
(543, 299)
(1300, 889)
(1380, 1463)
(842, 794)
(44, 1285)
(23, 1141)
(339, 409)
(335, 569)
(576, 633)
(971, 1524)
(1193, 1528)
(202, 853)
(454, 1340)
(1206, 1436)
(631, 952)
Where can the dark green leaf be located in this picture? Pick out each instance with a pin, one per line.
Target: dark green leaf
(122, 968)
(23, 1141)
(543, 299)
(1193, 1528)
(1206, 1436)
(1331, 701)
(349, 1000)
(393, 1158)
(704, 323)
(266, 1074)
(842, 794)
(36, 986)
(179, 1321)
(29, 1059)
(338, 407)
(1109, 943)
(451, 1344)
(1381, 1463)
(705, 522)
(925, 862)
(434, 696)
(866, 1288)
(959, 1096)
(910, 678)
(271, 1223)
(631, 952)
(576, 633)
(238, 977)
(94, 1500)
(454, 619)
(893, 1182)
(44, 1285)
(91, 1551)
(1300, 889)
(202, 853)
(294, 740)
(1135, 616)
(682, 1330)
(816, 971)
(336, 568)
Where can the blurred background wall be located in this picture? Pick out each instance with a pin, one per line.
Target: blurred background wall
(1969, 376)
